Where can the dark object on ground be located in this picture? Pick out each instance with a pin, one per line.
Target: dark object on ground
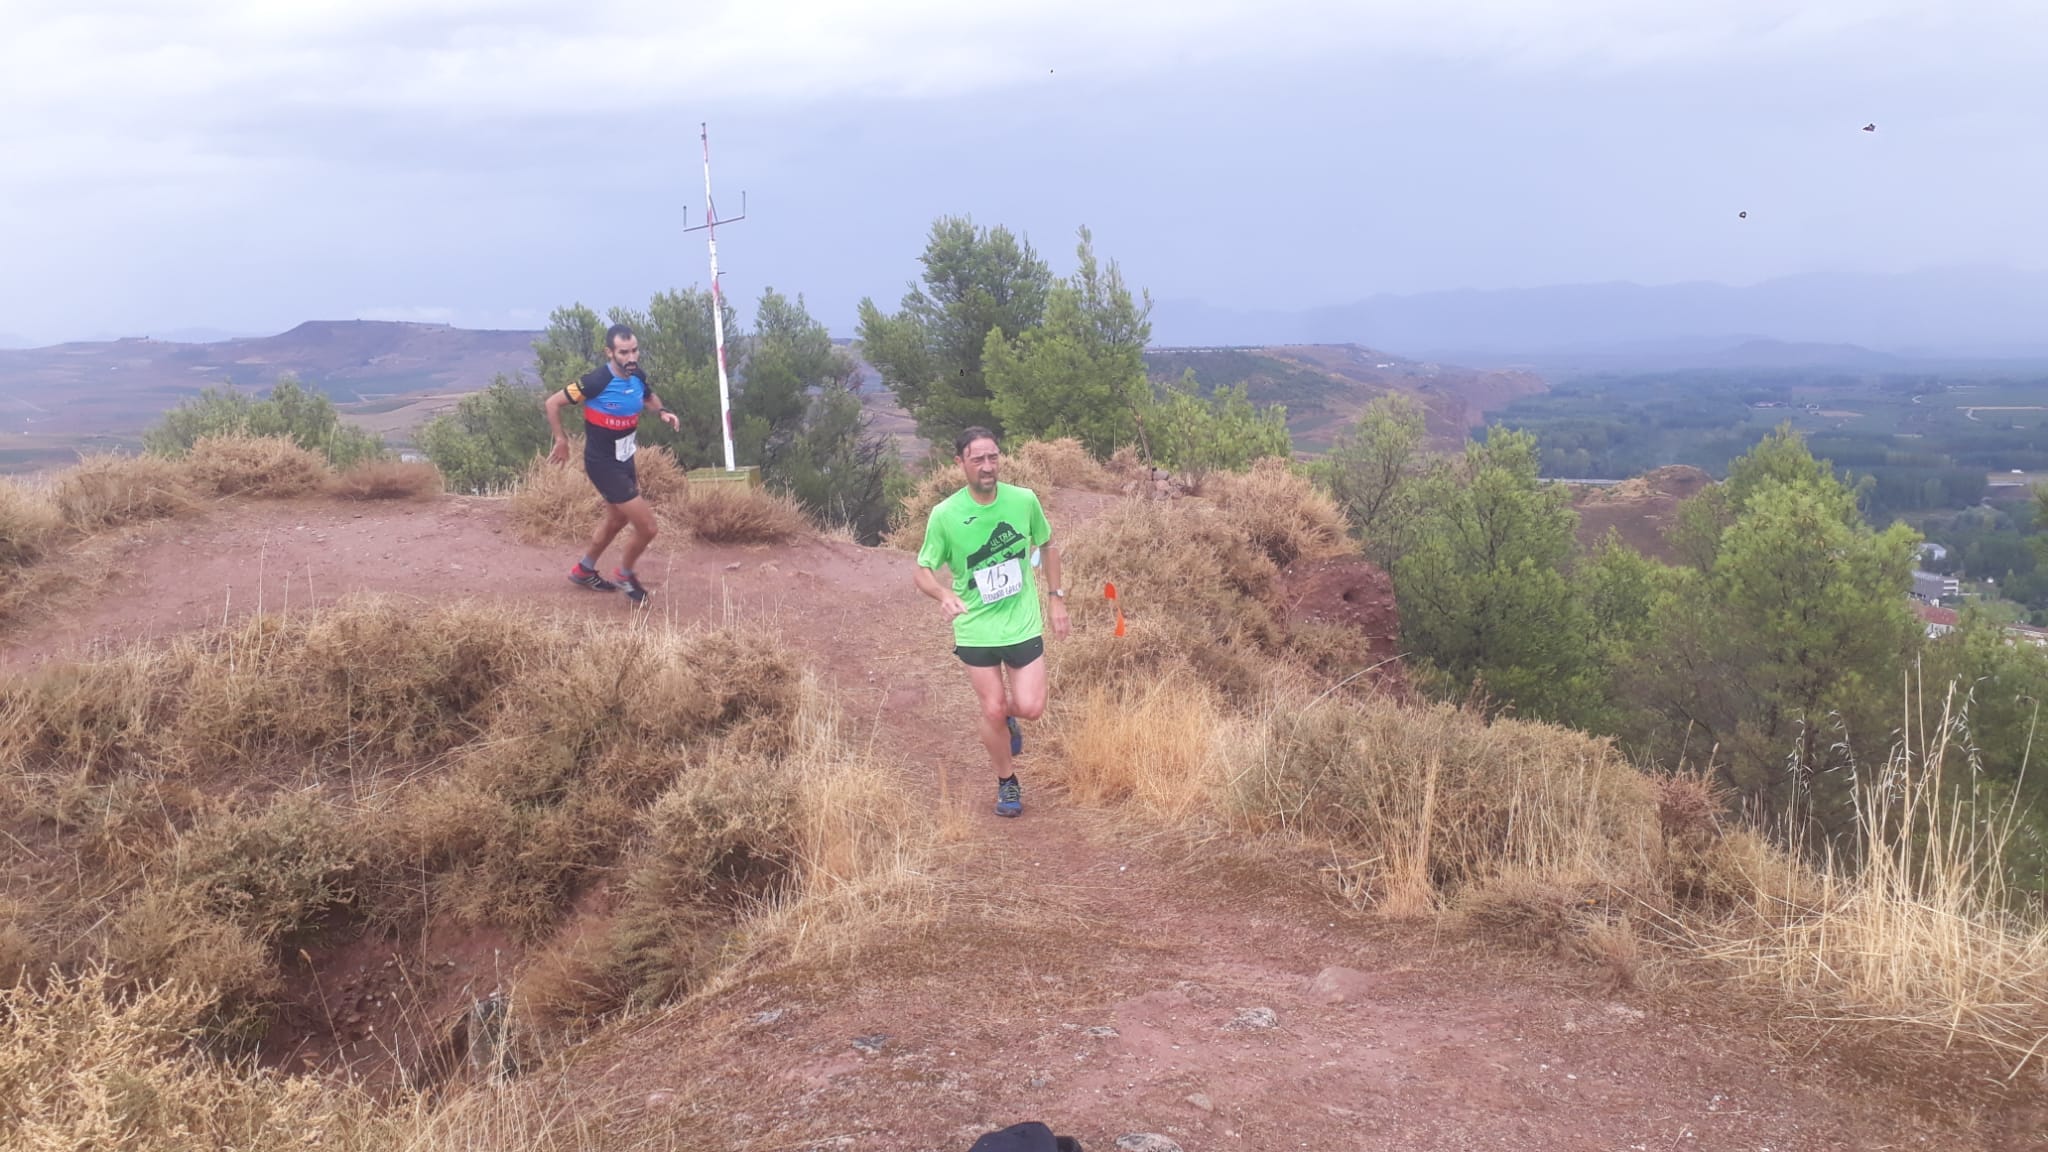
(1030, 1136)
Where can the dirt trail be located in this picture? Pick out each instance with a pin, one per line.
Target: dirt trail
(1121, 989)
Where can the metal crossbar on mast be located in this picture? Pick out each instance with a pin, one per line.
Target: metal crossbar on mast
(710, 228)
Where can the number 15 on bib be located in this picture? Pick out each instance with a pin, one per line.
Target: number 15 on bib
(999, 581)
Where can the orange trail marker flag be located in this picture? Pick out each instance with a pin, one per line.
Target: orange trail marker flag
(1109, 590)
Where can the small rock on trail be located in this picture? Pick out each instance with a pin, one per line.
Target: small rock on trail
(1146, 1142)
(1340, 985)
(1253, 1019)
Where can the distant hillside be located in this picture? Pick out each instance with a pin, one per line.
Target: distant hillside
(1326, 386)
(1971, 312)
(391, 376)
(55, 400)
(387, 376)
(1642, 509)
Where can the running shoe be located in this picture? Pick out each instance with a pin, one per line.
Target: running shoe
(588, 578)
(631, 586)
(1016, 736)
(1009, 797)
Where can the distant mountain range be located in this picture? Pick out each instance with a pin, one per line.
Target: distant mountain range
(57, 399)
(1934, 316)
(389, 376)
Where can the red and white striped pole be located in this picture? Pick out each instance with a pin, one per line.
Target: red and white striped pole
(717, 304)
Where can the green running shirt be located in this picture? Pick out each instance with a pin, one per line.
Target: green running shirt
(987, 547)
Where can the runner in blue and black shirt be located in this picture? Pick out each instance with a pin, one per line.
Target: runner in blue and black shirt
(613, 396)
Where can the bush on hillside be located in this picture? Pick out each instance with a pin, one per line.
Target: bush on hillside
(259, 466)
(109, 490)
(1194, 589)
(741, 514)
(1284, 515)
(1194, 435)
(836, 467)
(304, 417)
(493, 437)
(388, 480)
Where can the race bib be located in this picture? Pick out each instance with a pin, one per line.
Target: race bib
(999, 581)
(625, 447)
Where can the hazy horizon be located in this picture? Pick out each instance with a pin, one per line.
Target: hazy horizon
(240, 168)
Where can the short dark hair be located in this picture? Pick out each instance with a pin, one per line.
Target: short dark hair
(616, 333)
(961, 442)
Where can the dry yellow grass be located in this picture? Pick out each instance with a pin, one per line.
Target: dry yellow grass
(740, 514)
(1545, 838)
(388, 480)
(90, 1063)
(262, 466)
(222, 793)
(1195, 592)
(1160, 742)
(1919, 935)
(555, 502)
(1516, 831)
(1043, 465)
(1281, 513)
(109, 490)
(662, 479)
(440, 757)
(29, 524)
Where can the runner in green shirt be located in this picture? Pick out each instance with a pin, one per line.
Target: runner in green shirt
(990, 538)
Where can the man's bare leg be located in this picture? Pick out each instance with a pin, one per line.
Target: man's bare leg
(995, 709)
(1027, 690)
(607, 531)
(641, 515)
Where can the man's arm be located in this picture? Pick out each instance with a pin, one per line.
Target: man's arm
(1050, 561)
(555, 403)
(653, 404)
(927, 582)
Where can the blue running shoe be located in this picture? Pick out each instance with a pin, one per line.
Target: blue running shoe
(1009, 797)
(1016, 736)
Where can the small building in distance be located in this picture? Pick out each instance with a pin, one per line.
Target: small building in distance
(1938, 621)
(1932, 589)
(1933, 551)
(2026, 633)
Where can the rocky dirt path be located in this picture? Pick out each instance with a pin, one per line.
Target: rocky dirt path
(1101, 980)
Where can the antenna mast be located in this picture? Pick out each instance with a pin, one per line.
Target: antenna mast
(710, 227)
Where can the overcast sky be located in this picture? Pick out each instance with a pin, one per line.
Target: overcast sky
(247, 164)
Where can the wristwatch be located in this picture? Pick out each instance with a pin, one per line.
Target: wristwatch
(1060, 592)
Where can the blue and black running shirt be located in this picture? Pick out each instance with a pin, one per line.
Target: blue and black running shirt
(611, 411)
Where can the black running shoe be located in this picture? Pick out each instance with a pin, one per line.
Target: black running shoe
(632, 587)
(1009, 797)
(588, 578)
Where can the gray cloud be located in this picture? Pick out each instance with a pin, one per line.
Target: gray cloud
(250, 164)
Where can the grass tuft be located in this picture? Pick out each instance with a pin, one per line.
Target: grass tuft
(388, 480)
(261, 466)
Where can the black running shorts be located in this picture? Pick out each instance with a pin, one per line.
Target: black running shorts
(616, 480)
(1015, 655)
